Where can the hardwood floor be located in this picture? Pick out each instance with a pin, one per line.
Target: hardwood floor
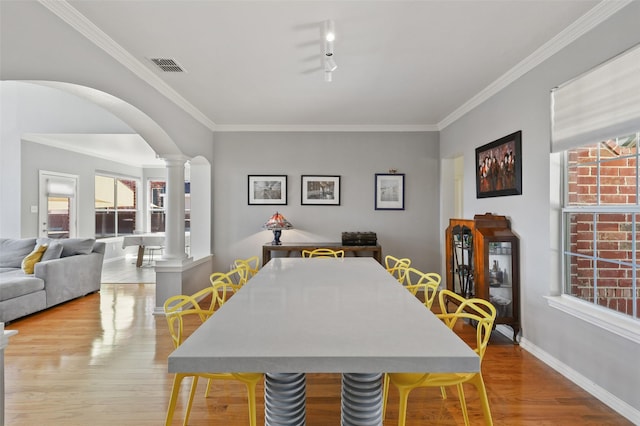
(124, 270)
(102, 360)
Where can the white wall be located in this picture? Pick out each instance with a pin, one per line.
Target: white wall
(610, 362)
(356, 157)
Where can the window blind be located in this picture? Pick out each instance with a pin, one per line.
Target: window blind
(598, 105)
(61, 187)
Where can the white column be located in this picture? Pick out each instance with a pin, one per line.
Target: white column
(174, 248)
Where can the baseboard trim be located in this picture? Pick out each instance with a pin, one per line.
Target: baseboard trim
(606, 397)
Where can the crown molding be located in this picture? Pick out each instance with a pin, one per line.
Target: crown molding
(44, 139)
(588, 21)
(598, 14)
(84, 26)
(326, 128)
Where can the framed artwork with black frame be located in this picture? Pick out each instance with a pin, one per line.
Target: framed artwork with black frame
(320, 190)
(267, 189)
(499, 167)
(389, 190)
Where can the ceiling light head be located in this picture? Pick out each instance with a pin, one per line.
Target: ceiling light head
(328, 76)
(330, 65)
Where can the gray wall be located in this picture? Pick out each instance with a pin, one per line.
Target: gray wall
(609, 361)
(29, 108)
(356, 157)
(36, 157)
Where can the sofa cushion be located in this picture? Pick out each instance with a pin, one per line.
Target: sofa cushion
(12, 251)
(54, 251)
(71, 246)
(32, 258)
(15, 284)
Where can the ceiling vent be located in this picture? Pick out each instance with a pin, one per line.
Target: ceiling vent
(167, 65)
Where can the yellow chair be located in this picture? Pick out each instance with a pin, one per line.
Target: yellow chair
(252, 264)
(479, 312)
(196, 301)
(235, 278)
(397, 266)
(176, 309)
(428, 282)
(323, 252)
(222, 290)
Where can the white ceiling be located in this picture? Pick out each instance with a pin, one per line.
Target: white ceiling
(403, 64)
(256, 65)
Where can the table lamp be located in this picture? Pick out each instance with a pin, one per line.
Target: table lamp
(277, 223)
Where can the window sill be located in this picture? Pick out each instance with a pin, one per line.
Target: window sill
(606, 319)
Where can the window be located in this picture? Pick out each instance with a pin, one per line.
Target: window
(595, 120)
(157, 212)
(157, 194)
(601, 224)
(115, 206)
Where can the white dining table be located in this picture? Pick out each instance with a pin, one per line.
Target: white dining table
(322, 315)
(142, 241)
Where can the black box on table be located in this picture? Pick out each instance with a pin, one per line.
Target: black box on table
(359, 239)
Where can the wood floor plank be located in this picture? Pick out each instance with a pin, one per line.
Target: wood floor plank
(102, 360)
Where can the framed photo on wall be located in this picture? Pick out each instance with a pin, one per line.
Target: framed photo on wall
(320, 190)
(389, 191)
(499, 167)
(267, 189)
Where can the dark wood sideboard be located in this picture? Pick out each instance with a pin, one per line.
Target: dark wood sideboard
(288, 248)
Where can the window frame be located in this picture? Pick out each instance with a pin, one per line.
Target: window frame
(116, 209)
(621, 324)
(163, 210)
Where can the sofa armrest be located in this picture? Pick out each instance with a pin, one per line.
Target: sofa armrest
(99, 247)
(70, 277)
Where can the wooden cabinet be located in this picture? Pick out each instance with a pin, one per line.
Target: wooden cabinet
(483, 260)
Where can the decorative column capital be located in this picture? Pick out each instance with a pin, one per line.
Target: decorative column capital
(174, 159)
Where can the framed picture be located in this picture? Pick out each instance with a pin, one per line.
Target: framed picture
(267, 189)
(499, 167)
(389, 191)
(320, 190)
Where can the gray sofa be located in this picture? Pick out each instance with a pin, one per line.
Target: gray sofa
(69, 268)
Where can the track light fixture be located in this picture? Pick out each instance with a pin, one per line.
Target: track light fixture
(330, 65)
(328, 77)
(329, 36)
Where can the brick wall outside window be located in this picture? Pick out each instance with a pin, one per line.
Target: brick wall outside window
(613, 231)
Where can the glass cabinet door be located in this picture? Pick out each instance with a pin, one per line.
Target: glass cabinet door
(500, 277)
(463, 262)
